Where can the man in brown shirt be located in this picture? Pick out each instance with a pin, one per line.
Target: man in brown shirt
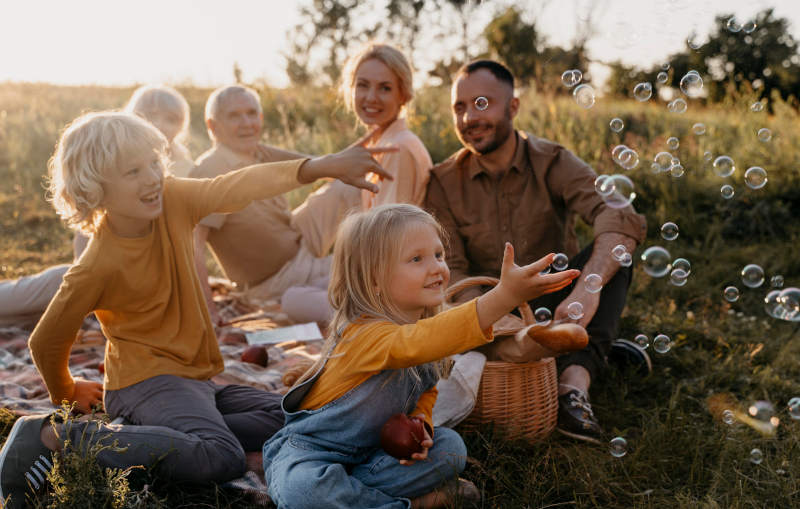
(265, 248)
(509, 186)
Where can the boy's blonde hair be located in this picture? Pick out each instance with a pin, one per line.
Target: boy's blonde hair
(367, 252)
(394, 60)
(161, 98)
(91, 148)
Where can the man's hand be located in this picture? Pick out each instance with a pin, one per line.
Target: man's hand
(87, 395)
(350, 165)
(427, 443)
(590, 301)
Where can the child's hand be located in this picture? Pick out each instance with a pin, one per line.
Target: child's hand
(518, 285)
(87, 395)
(427, 443)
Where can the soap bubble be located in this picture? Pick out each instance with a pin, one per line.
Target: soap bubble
(669, 231)
(724, 166)
(692, 85)
(773, 306)
(750, 26)
(619, 149)
(752, 276)
(789, 299)
(678, 277)
(757, 106)
(755, 177)
(643, 91)
(707, 155)
(618, 251)
(673, 143)
(734, 25)
(619, 447)
(584, 96)
(604, 185)
(642, 341)
(678, 106)
(683, 264)
(677, 170)
(617, 125)
(727, 417)
(693, 72)
(776, 282)
(699, 129)
(755, 454)
(794, 408)
(571, 78)
(731, 294)
(560, 261)
(654, 169)
(481, 103)
(662, 77)
(575, 310)
(545, 271)
(664, 161)
(695, 41)
(726, 192)
(584, 13)
(675, 161)
(626, 260)
(629, 159)
(656, 261)
(762, 410)
(623, 194)
(764, 134)
(593, 283)
(543, 316)
(664, 65)
(661, 343)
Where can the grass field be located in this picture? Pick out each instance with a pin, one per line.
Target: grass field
(679, 454)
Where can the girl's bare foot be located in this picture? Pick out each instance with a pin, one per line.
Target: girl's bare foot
(468, 494)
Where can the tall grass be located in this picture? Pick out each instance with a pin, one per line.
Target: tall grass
(680, 455)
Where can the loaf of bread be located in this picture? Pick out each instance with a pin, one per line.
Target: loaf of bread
(561, 338)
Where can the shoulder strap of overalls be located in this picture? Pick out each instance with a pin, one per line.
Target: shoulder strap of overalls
(291, 401)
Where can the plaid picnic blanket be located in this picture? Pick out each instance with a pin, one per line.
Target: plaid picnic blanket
(22, 389)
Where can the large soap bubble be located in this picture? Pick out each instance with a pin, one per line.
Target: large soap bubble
(692, 84)
(662, 77)
(789, 299)
(643, 91)
(773, 306)
(726, 192)
(734, 25)
(571, 78)
(724, 166)
(764, 134)
(669, 231)
(584, 96)
(755, 177)
(664, 161)
(683, 264)
(616, 125)
(629, 159)
(623, 194)
(673, 143)
(656, 261)
(753, 276)
(604, 185)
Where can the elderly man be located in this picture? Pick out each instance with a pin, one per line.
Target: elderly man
(509, 186)
(265, 248)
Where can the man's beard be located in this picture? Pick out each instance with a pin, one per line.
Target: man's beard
(502, 130)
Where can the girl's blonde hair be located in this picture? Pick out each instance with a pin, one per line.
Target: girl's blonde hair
(367, 252)
(394, 60)
(91, 148)
(161, 98)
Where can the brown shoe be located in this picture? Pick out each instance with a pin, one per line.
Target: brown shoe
(560, 339)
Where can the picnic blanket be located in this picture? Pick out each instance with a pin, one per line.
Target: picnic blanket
(22, 389)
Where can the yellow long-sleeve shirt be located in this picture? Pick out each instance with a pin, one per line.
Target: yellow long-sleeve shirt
(368, 349)
(145, 292)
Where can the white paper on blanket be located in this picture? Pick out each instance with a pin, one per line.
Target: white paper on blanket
(301, 332)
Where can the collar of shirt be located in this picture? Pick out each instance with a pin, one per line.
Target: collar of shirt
(519, 162)
(396, 127)
(233, 159)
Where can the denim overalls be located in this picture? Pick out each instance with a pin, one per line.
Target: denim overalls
(331, 457)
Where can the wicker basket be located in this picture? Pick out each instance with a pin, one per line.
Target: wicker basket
(521, 399)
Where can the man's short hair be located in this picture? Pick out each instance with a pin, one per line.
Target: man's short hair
(218, 96)
(501, 72)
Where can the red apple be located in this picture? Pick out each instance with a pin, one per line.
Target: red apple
(256, 354)
(102, 368)
(402, 436)
(233, 338)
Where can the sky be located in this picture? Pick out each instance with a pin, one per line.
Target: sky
(178, 41)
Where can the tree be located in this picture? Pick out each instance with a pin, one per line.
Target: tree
(517, 44)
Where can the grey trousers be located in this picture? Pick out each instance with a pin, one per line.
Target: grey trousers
(203, 428)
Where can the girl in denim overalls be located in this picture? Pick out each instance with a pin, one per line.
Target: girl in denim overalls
(388, 349)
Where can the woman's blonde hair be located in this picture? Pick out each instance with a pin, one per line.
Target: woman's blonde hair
(91, 148)
(394, 60)
(161, 98)
(367, 252)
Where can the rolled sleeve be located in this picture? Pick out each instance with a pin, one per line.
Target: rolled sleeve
(624, 221)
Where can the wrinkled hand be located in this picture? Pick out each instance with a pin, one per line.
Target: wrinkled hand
(590, 302)
(87, 395)
(427, 443)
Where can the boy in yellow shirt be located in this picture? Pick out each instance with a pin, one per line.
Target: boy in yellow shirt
(108, 178)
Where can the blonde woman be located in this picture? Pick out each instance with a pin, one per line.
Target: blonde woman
(377, 85)
(168, 111)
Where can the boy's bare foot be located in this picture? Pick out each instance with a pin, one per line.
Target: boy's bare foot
(467, 493)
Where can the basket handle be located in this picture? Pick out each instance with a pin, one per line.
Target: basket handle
(524, 308)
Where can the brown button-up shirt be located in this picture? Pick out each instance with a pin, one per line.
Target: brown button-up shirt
(532, 206)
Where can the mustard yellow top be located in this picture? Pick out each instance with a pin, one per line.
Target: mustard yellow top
(368, 349)
(145, 292)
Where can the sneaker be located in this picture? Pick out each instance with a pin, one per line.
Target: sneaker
(624, 353)
(575, 416)
(24, 461)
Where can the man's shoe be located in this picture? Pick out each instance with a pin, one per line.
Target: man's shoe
(24, 461)
(575, 416)
(624, 353)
